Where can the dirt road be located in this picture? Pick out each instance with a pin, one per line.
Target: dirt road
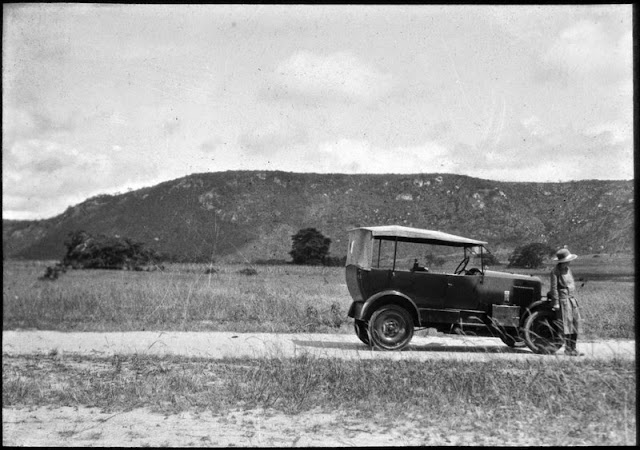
(218, 345)
(81, 426)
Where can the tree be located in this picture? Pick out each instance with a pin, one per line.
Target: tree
(76, 244)
(530, 256)
(309, 247)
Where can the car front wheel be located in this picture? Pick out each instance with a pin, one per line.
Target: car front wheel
(543, 332)
(390, 328)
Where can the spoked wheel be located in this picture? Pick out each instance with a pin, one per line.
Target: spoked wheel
(390, 328)
(543, 332)
(360, 328)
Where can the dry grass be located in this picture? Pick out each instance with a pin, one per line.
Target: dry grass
(564, 402)
(183, 297)
(283, 298)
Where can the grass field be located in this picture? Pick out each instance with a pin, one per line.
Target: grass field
(548, 401)
(283, 298)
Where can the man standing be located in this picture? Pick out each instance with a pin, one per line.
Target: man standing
(562, 293)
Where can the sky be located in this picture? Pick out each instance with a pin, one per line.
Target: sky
(103, 99)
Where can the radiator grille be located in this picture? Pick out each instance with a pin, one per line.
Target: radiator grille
(522, 296)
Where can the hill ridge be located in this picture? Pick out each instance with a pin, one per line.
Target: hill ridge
(249, 215)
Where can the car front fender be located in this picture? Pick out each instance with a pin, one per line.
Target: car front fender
(543, 303)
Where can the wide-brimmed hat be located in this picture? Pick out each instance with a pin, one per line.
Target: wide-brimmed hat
(563, 255)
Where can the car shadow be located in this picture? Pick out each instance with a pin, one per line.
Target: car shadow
(467, 349)
(433, 347)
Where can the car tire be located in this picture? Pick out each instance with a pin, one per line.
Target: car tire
(390, 328)
(360, 327)
(543, 332)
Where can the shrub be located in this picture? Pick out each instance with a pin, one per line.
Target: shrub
(337, 316)
(53, 272)
(530, 256)
(105, 252)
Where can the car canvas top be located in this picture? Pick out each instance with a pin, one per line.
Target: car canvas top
(409, 234)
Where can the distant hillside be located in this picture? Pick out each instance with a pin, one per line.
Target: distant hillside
(249, 215)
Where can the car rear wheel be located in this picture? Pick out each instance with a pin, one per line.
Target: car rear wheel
(390, 328)
(360, 328)
(543, 332)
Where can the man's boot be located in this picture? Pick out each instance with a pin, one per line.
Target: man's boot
(568, 344)
(569, 348)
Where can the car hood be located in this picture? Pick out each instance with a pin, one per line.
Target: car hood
(516, 276)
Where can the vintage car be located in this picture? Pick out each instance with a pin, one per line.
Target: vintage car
(394, 297)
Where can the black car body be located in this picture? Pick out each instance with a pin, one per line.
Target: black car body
(390, 302)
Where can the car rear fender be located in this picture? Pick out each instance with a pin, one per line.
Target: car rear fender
(389, 297)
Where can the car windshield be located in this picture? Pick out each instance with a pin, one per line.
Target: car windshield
(409, 255)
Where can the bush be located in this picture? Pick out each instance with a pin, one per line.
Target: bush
(105, 252)
(53, 272)
(530, 256)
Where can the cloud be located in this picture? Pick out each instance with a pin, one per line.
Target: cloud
(47, 176)
(211, 144)
(439, 130)
(339, 75)
(615, 132)
(534, 153)
(587, 49)
(171, 125)
(36, 121)
(271, 137)
(48, 167)
(360, 156)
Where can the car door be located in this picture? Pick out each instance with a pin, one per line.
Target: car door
(462, 292)
(427, 290)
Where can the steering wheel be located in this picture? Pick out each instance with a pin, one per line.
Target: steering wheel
(473, 271)
(461, 266)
